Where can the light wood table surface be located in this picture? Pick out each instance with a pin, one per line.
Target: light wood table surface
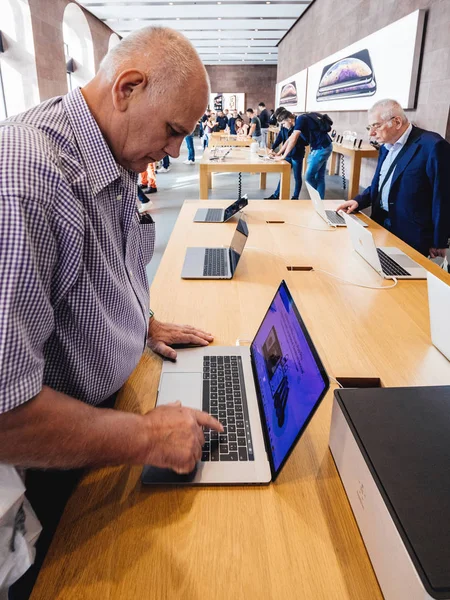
(356, 155)
(241, 160)
(224, 139)
(295, 539)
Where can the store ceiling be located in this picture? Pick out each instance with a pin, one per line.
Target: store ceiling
(226, 32)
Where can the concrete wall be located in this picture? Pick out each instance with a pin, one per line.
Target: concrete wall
(329, 26)
(257, 82)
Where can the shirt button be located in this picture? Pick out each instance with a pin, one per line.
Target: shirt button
(119, 197)
(130, 272)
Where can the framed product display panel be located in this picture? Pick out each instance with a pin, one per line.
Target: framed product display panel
(232, 101)
(382, 65)
(291, 92)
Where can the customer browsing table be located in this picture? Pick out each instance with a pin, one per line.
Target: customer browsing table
(293, 539)
(242, 160)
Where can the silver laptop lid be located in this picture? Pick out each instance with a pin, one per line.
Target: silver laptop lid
(363, 242)
(234, 208)
(237, 244)
(316, 200)
(290, 378)
(439, 304)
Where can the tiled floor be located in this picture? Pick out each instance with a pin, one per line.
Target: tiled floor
(181, 183)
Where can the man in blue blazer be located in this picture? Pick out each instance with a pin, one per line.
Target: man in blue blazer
(410, 191)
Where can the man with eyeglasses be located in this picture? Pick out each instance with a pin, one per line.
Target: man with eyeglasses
(410, 191)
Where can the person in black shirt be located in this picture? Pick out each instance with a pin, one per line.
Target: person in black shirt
(306, 126)
(294, 157)
(222, 120)
(232, 122)
(264, 117)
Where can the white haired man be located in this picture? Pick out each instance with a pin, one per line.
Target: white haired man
(74, 294)
(410, 191)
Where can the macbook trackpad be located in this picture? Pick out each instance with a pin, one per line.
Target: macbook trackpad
(185, 387)
(403, 260)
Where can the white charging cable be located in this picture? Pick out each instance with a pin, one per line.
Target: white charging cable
(362, 285)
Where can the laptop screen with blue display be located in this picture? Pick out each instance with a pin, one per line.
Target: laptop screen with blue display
(290, 376)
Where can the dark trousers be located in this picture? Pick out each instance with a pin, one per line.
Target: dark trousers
(165, 162)
(48, 492)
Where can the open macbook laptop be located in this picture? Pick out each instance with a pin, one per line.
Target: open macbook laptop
(329, 216)
(439, 303)
(264, 396)
(216, 263)
(387, 262)
(220, 215)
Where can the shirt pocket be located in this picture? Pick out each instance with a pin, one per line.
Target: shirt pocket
(147, 241)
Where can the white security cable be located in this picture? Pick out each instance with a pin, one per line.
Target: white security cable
(362, 285)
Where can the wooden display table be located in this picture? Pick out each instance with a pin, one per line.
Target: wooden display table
(295, 539)
(356, 155)
(224, 139)
(272, 135)
(244, 161)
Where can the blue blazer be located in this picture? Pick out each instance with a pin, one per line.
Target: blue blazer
(419, 197)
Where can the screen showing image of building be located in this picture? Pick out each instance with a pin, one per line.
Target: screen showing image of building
(382, 65)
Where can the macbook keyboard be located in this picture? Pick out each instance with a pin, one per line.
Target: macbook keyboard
(389, 266)
(334, 218)
(214, 215)
(224, 398)
(216, 262)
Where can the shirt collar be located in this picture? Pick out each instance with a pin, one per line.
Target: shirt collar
(101, 167)
(401, 140)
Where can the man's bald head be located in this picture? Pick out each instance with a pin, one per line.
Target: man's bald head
(150, 91)
(166, 56)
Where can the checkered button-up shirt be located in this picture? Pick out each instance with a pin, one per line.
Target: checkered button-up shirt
(73, 287)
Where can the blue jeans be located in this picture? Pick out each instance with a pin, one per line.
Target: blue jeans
(205, 141)
(190, 146)
(315, 172)
(166, 162)
(297, 170)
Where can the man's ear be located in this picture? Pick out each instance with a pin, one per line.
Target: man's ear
(127, 87)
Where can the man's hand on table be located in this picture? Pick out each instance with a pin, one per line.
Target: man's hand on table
(175, 436)
(438, 252)
(162, 335)
(279, 157)
(348, 207)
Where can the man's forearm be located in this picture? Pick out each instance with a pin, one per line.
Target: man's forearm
(55, 431)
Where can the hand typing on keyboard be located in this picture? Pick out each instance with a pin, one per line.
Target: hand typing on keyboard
(174, 437)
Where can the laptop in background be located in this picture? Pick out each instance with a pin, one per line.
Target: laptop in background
(220, 215)
(216, 263)
(264, 395)
(387, 262)
(329, 216)
(439, 304)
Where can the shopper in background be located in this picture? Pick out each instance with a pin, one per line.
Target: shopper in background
(295, 156)
(191, 152)
(232, 122)
(241, 127)
(308, 126)
(255, 126)
(208, 128)
(148, 179)
(165, 165)
(264, 117)
(410, 191)
(222, 120)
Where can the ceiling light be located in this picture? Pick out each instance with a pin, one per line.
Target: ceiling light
(267, 2)
(252, 39)
(243, 60)
(219, 3)
(256, 30)
(219, 30)
(178, 18)
(270, 52)
(261, 18)
(219, 18)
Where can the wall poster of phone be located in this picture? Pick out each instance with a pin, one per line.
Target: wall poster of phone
(291, 92)
(381, 65)
(231, 101)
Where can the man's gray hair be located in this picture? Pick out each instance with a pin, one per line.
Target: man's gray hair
(165, 55)
(389, 108)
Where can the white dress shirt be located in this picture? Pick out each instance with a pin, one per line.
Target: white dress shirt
(393, 150)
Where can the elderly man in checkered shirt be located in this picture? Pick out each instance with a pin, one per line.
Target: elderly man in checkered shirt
(74, 294)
